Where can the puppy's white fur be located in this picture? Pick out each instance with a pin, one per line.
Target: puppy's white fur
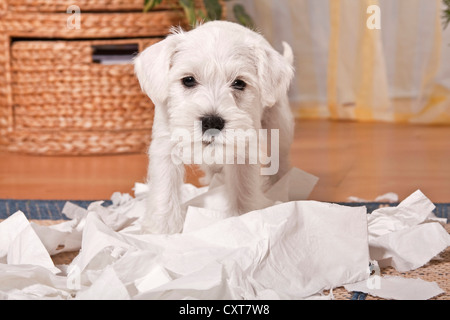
(215, 54)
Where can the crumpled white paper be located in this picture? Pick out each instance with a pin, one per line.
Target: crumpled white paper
(398, 288)
(407, 236)
(19, 244)
(387, 197)
(292, 250)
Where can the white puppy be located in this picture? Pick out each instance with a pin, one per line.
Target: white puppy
(214, 79)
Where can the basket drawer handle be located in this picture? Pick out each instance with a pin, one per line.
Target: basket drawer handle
(113, 54)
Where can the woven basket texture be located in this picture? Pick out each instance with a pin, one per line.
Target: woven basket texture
(54, 100)
(87, 5)
(65, 103)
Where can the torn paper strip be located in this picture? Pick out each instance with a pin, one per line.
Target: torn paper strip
(410, 212)
(295, 249)
(292, 250)
(398, 236)
(397, 288)
(389, 197)
(21, 245)
(411, 248)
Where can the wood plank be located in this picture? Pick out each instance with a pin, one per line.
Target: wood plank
(351, 159)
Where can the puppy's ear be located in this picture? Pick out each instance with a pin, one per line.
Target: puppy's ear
(275, 72)
(152, 68)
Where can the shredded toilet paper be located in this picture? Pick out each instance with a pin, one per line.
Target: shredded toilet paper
(388, 197)
(295, 249)
(397, 288)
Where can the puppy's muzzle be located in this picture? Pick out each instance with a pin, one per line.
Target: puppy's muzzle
(212, 122)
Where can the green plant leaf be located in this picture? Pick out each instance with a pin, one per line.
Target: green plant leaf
(213, 10)
(150, 4)
(201, 15)
(446, 13)
(189, 10)
(242, 16)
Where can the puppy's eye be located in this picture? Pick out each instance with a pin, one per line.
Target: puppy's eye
(239, 85)
(189, 82)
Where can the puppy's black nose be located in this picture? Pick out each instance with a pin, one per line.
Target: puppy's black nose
(212, 122)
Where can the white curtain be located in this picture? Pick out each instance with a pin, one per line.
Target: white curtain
(346, 70)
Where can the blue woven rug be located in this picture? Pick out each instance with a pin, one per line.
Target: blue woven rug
(51, 209)
(39, 209)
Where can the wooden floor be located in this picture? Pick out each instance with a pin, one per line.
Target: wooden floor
(351, 159)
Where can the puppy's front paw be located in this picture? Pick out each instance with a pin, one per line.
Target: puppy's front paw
(260, 203)
(162, 222)
(205, 181)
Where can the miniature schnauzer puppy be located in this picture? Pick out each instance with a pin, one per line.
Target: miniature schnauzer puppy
(218, 77)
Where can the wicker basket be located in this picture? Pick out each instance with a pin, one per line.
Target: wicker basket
(88, 5)
(62, 107)
(54, 99)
